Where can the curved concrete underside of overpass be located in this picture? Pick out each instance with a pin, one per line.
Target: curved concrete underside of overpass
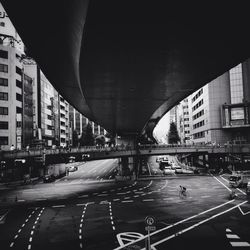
(123, 63)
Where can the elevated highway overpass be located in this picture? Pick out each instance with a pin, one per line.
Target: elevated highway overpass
(124, 64)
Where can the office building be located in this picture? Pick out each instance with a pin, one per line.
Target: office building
(220, 110)
(183, 120)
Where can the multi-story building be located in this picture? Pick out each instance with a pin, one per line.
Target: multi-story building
(64, 122)
(11, 98)
(220, 110)
(78, 122)
(183, 120)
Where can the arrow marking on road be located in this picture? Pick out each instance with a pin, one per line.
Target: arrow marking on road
(127, 237)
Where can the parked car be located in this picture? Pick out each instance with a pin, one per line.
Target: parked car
(72, 159)
(48, 178)
(168, 170)
(178, 170)
(72, 168)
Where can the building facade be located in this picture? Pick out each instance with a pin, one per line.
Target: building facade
(220, 110)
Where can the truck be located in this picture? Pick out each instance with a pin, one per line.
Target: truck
(239, 179)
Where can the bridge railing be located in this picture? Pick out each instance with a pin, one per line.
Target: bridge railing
(121, 148)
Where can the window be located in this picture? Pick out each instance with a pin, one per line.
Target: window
(3, 96)
(4, 140)
(4, 125)
(3, 54)
(19, 84)
(19, 97)
(4, 68)
(2, 24)
(18, 124)
(3, 82)
(3, 111)
(18, 110)
(18, 71)
(49, 117)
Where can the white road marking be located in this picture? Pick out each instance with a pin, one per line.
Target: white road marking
(127, 201)
(102, 195)
(83, 196)
(116, 199)
(148, 200)
(196, 225)
(120, 193)
(80, 226)
(205, 196)
(222, 184)
(240, 244)
(182, 221)
(232, 236)
(243, 213)
(80, 204)
(57, 206)
(12, 244)
(228, 230)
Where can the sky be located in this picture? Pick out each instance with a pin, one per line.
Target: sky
(162, 128)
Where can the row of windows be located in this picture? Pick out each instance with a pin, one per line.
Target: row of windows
(186, 125)
(199, 135)
(199, 124)
(185, 113)
(199, 114)
(186, 131)
(186, 119)
(4, 140)
(3, 54)
(19, 84)
(3, 82)
(3, 96)
(19, 97)
(197, 105)
(4, 125)
(3, 68)
(4, 111)
(197, 95)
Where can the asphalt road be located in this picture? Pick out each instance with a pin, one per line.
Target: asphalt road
(89, 210)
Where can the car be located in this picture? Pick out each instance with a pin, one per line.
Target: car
(72, 159)
(178, 170)
(168, 170)
(72, 168)
(48, 178)
(85, 157)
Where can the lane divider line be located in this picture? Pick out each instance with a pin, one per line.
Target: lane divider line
(33, 228)
(23, 225)
(81, 224)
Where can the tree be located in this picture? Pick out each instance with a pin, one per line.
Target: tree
(111, 139)
(87, 138)
(173, 136)
(75, 139)
(100, 140)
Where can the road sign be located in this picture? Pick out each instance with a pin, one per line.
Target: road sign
(150, 220)
(150, 228)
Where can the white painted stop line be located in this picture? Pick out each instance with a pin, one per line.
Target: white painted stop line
(127, 237)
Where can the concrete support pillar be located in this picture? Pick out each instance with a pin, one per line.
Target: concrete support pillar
(128, 166)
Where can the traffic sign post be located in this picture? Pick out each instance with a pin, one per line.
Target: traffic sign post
(149, 221)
